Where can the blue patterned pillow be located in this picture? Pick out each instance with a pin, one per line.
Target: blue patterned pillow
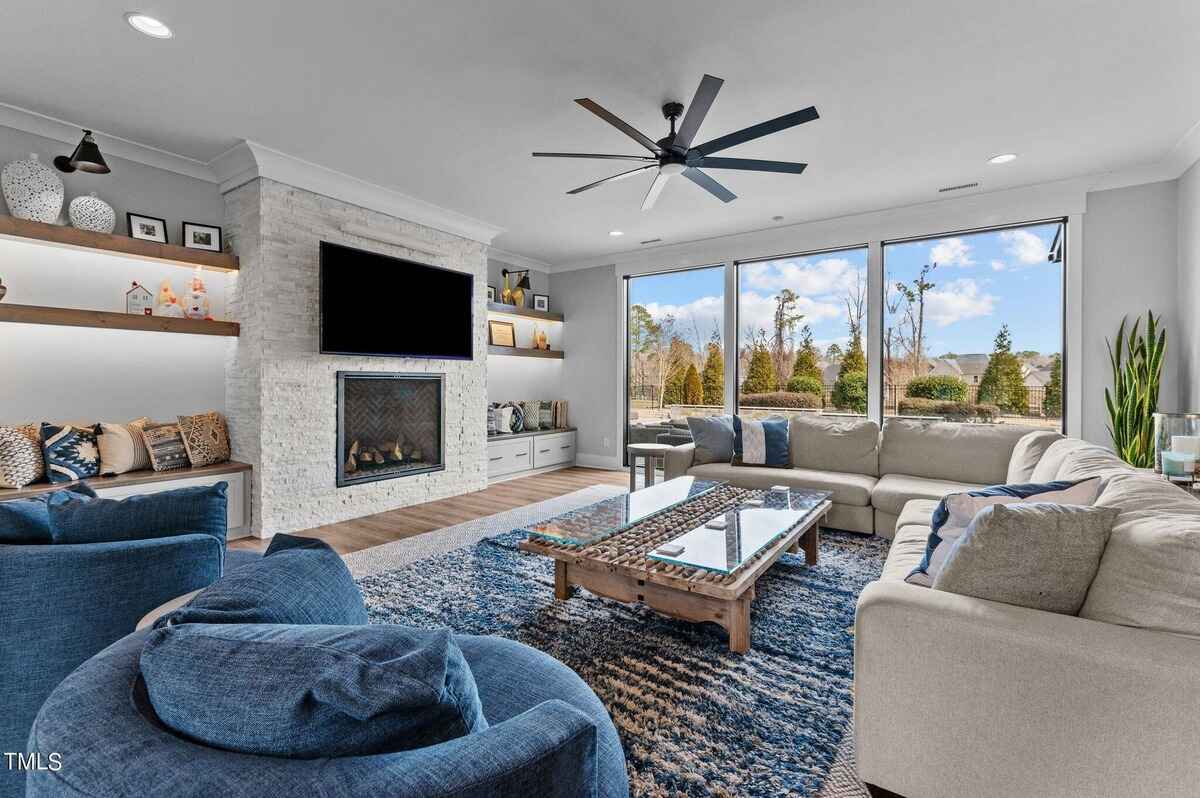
(761, 443)
(71, 453)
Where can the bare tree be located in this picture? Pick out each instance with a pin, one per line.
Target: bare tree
(914, 316)
(785, 323)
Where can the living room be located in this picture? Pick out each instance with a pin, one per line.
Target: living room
(598, 399)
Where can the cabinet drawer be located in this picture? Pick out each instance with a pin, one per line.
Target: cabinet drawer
(507, 457)
(551, 450)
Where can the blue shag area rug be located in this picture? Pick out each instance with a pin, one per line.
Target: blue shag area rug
(695, 719)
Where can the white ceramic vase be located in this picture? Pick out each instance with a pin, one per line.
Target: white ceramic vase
(32, 190)
(92, 213)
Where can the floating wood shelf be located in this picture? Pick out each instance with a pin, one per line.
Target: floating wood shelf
(130, 478)
(61, 235)
(524, 313)
(72, 317)
(554, 354)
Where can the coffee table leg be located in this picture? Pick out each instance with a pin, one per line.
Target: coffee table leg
(562, 585)
(810, 541)
(739, 625)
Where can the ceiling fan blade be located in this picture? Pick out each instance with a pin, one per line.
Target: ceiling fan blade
(708, 184)
(621, 176)
(660, 182)
(758, 131)
(751, 165)
(706, 92)
(594, 155)
(620, 124)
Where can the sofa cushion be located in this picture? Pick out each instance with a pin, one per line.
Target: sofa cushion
(713, 436)
(823, 443)
(761, 443)
(1047, 468)
(28, 520)
(893, 491)
(311, 691)
(1038, 555)
(977, 453)
(1028, 453)
(298, 580)
(77, 518)
(908, 546)
(1091, 461)
(918, 512)
(851, 489)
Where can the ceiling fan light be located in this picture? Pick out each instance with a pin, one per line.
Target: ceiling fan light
(615, 233)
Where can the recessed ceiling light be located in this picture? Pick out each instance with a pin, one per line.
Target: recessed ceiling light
(776, 218)
(148, 25)
(1007, 157)
(615, 233)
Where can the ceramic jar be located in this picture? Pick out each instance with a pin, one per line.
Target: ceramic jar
(92, 213)
(32, 190)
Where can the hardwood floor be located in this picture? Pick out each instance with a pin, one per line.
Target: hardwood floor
(373, 530)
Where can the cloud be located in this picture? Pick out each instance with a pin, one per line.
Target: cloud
(951, 252)
(805, 277)
(1026, 247)
(757, 311)
(956, 301)
(998, 266)
(702, 313)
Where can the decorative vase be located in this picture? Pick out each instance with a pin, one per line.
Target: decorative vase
(92, 213)
(1177, 445)
(32, 190)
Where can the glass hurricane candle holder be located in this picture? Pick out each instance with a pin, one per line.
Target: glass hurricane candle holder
(1177, 445)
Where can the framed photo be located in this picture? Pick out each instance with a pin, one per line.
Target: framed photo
(491, 293)
(147, 228)
(541, 302)
(202, 236)
(502, 333)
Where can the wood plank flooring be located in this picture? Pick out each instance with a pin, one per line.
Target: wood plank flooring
(374, 530)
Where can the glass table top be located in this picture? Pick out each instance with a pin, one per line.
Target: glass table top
(748, 530)
(604, 519)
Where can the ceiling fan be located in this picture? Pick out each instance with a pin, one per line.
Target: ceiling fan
(675, 155)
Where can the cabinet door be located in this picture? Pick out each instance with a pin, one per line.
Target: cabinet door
(509, 457)
(554, 449)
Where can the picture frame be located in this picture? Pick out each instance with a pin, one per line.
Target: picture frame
(541, 302)
(202, 236)
(146, 228)
(502, 333)
(491, 293)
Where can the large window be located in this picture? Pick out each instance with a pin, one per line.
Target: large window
(802, 334)
(973, 326)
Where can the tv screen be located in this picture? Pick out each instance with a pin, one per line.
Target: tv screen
(373, 304)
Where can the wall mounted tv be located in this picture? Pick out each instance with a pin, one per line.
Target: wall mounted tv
(375, 305)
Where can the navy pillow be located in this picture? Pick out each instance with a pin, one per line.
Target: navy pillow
(311, 691)
(28, 520)
(81, 519)
(761, 443)
(297, 580)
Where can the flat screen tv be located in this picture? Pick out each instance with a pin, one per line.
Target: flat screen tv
(376, 305)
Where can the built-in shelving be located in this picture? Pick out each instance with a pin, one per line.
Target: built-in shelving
(129, 478)
(72, 317)
(514, 351)
(64, 236)
(524, 313)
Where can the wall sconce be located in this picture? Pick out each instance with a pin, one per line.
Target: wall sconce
(85, 158)
(515, 296)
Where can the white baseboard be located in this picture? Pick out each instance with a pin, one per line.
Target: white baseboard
(607, 462)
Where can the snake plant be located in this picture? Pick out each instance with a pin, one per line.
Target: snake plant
(1137, 363)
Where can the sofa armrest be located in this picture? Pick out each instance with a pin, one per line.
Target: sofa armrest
(960, 696)
(678, 460)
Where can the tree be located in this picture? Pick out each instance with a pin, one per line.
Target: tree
(805, 364)
(713, 377)
(855, 360)
(914, 316)
(680, 357)
(834, 353)
(1052, 401)
(785, 321)
(760, 376)
(1002, 383)
(850, 389)
(693, 389)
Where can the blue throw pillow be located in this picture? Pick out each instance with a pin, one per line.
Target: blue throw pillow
(311, 691)
(298, 580)
(83, 519)
(761, 443)
(70, 453)
(28, 520)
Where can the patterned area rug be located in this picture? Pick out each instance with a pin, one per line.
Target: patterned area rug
(695, 720)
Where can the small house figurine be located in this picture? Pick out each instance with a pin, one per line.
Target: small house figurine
(139, 301)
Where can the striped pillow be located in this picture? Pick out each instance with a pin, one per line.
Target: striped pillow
(165, 445)
(122, 448)
(761, 443)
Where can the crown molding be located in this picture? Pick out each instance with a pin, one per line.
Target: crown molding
(518, 260)
(249, 160)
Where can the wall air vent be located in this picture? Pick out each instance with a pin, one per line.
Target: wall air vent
(652, 241)
(959, 187)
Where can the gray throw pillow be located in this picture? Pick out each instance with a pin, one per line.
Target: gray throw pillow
(713, 436)
(1042, 556)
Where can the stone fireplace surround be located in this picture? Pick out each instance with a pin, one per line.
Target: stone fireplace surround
(281, 394)
(389, 426)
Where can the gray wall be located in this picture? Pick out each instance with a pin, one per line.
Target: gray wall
(539, 280)
(1130, 265)
(1189, 290)
(591, 375)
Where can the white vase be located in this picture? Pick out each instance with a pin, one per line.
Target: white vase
(92, 213)
(32, 190)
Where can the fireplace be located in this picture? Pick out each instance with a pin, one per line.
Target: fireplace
(389, 426)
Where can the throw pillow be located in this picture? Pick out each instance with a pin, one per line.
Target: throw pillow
(505, 421)
(205, 438)
(28, 520)
(70, 452)
(304, 692)
(1037, 555)
(955, 512)
(89, 519)
(531, 413)
(493, 419)
(560, 414)
(713, 436)
(761, 443)
(546, 415)
(517, 422)
(1027, 453)
(21, 459)
(122, 449)
(164, 443)
(297, 580)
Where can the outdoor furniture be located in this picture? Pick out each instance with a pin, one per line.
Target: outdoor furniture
(650, 453)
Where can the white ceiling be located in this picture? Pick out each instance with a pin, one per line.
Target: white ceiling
(444, 101)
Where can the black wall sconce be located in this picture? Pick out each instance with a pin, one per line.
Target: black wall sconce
(85, 158)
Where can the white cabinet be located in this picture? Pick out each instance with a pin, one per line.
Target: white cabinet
(551, 450)
(512, 455)
(508, 457)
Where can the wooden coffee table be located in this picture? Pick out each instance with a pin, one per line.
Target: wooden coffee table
(611, 548)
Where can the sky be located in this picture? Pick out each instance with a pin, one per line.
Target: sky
(981, 281)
